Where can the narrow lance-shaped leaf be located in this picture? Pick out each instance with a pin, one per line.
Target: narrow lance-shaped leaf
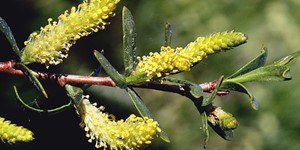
(110, 70)
(205, 129)
(143, 110)
(253, 64)
(8, 34)
(35, 81)
(240, 88)
(129, 41)
(266, 73)
(278, 71)
(52, 111)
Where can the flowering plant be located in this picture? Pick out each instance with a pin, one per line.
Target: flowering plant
(51, 45)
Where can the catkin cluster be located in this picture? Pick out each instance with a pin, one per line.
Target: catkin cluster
(108, 132)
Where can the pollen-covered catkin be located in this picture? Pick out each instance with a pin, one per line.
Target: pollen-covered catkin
(102, 128)
(170, 60)
(51, 45)
(11, 133)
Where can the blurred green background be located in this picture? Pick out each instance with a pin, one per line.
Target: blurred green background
(274, 24)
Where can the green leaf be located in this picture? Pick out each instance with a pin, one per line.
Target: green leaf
(110, 70)
(168, 34)
(226, 134)
(278, 71)
(234, 86)
(143, 110)
(4, 28)
(253, 64)
(129, 41)
(265, 73)
(74, 93)
(52, 111)
(195, 90)
(33, 79)
(287, 59)
(138, 103)
(205, 128)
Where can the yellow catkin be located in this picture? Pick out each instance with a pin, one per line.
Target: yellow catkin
(102, 128)
(170, 60)
(51, 45)
(11, 133)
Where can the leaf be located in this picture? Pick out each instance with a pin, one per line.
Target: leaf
(226, 134)
(129, 41)
(278, 71)
(234, 86)
(96, 72)
(287, 59)
(168, 34)
(52, 111)
(208, 100)
(138, 103)
(74, 93)
(110, 70)
(143, 110)
(265, 73)
(205, 128)
(195, 90)
(33, 79)
(4, 28)
(253, 64)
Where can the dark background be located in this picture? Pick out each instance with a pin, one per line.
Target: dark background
(270, 23)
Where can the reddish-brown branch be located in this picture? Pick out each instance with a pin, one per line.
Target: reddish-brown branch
(62, 79)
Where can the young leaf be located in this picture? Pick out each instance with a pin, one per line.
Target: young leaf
(287, 59)
(253, 64)
(234, 86)
(143, 110)
(35, 81)
(205, 128)
(265, 73)
(4, 28)
(52, 111)
(278, 71)
(129, 41)
(75, 93)
(110, 70)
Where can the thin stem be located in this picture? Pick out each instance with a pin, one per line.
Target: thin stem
(63, 79)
